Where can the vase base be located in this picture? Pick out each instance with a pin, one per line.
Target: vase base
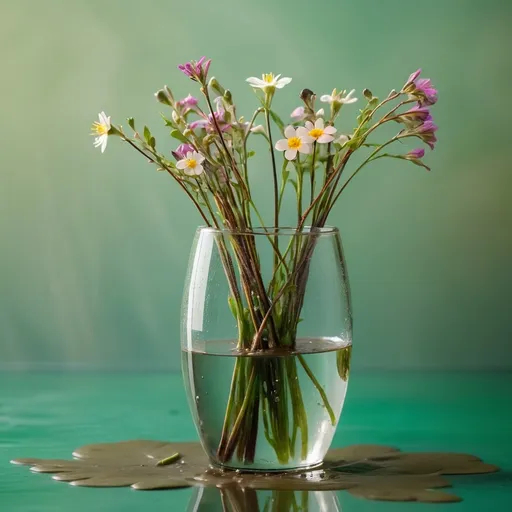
(265, 469)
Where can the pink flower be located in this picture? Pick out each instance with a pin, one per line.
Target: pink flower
(415, 115)
(208, 124)
(298, 114)
(415, 154)
(420, 89)
(426, 132)
(196, 71)
(189, 103)
(182, 150)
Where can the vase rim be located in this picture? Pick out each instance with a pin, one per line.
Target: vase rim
(271, 230)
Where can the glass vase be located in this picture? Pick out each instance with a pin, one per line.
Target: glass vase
(266, 338)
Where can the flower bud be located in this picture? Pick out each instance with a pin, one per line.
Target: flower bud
(258, 129)
(162, 97)
(214, 84)
(306, 95)
(228, 97)
(341, 140)
(175, 116)
(368, 94)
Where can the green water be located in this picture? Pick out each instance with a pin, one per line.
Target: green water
(208, 379)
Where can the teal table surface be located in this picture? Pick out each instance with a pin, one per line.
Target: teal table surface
(50, 414)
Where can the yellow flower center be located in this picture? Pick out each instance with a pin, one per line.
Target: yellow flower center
(191, 163)
(294, 143)
(100, 128)
(268, 77)
(316, 133)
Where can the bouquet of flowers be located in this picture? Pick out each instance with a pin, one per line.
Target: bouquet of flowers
(308, 154)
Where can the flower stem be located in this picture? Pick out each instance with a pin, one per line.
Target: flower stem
(320, 389)
(274, 176)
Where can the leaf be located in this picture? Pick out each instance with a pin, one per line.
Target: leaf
(152, 142)
(167, 121)
(179, 136)
(147, 134)
(131, 123)
(277, 120)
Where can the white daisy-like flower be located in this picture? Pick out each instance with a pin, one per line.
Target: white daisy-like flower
(339, 97)
(317, 132)
(191, 164)
(100, 129)
(268, 81)
(294, 143)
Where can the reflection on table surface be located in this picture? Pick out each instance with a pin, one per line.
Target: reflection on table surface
(249, 500)
(49, 414)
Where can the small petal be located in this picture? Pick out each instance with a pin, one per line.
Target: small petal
(181, 164)
(303, 132)
(289, 131)
(330, 130)
(290, 154)
(306, 149)
(282, 145)
(282, 81)
(309, 125)
(307, 139)
(325, 138)
(326, 98)
(319, 123)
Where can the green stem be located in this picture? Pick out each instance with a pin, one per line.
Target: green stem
(320, 389)
(312, 174)
(274, 178)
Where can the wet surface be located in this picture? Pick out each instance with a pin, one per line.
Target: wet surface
(46, 415)
(368, 471)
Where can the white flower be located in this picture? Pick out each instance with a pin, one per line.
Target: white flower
(341, 140)
(100, 129)
(191, 164)
(339, 97)
(320, 113)
(268, 81)
(316, 132)
(294, 143)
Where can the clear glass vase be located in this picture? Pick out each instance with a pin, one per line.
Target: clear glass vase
(266, 345)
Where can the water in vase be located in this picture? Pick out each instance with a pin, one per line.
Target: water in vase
(270, 410)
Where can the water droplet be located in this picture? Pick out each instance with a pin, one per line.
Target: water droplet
(202, 376)
(276, 399)
(197, 398)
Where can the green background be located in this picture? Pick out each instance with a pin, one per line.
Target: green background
(94, 247)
